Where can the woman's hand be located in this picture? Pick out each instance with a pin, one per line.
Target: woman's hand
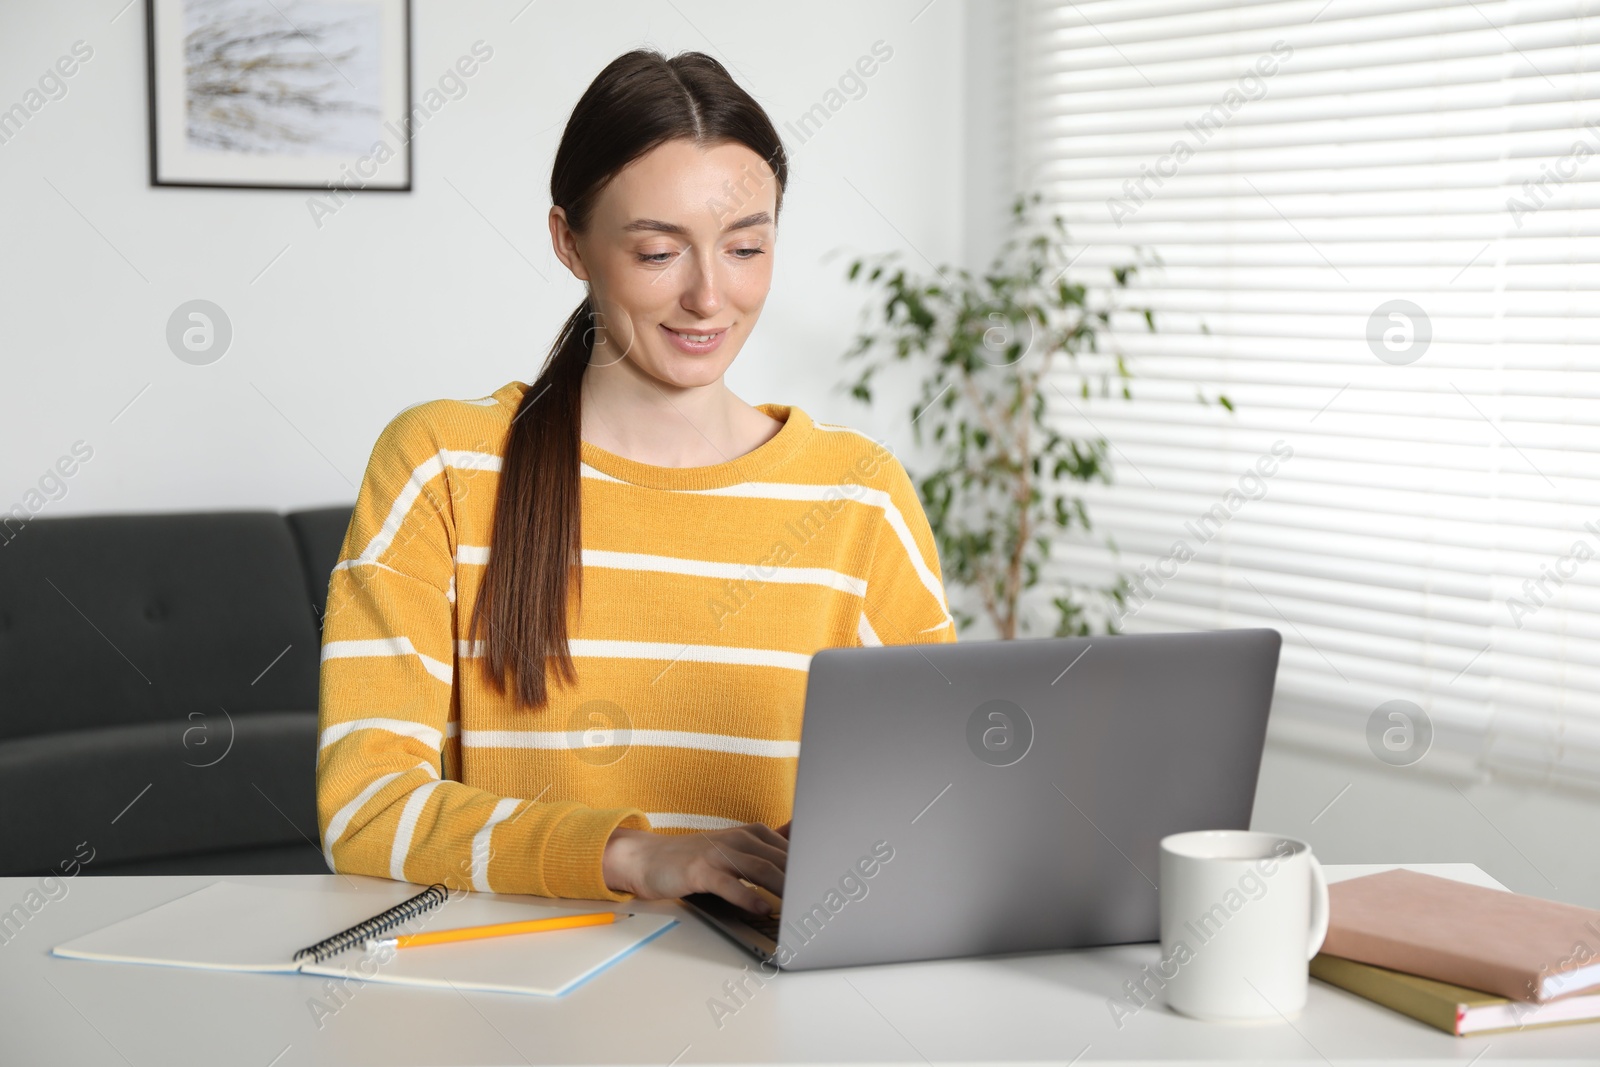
(654, 866)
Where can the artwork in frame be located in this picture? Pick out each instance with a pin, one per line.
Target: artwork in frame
(280, 94)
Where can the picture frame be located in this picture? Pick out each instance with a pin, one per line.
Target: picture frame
(280, 94)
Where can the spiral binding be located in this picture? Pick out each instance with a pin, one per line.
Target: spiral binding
(431, 897)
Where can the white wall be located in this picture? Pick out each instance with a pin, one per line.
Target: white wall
(403, 297)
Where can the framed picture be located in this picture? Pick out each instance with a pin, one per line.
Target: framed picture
(280, 94)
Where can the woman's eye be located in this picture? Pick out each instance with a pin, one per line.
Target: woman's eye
(659, 258)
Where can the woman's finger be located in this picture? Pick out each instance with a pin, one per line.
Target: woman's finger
(762, 872)
(763, 832)
(776, 854)
(734, 848)
(735, 892)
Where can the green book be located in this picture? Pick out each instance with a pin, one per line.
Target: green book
(1452, 1008)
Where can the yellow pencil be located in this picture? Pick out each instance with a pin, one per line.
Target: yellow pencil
(472, 933)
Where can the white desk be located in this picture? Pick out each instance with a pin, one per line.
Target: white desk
(651, 1009)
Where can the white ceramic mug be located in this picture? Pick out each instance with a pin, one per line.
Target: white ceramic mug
(1241, 914)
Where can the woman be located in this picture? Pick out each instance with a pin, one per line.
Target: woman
(566, 643)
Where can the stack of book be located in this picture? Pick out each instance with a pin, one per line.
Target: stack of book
(1464, 958)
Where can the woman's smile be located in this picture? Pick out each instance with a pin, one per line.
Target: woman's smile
(695, 342)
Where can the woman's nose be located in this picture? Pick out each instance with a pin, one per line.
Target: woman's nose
(702, 294)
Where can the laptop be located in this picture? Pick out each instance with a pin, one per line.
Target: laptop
(1005, 796)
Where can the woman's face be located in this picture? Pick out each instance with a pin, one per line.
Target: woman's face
(678, 250)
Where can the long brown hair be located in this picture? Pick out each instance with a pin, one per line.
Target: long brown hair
(640, 100)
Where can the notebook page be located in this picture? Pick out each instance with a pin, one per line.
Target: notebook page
(230, 926)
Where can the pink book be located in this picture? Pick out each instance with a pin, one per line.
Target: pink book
(1518, 946)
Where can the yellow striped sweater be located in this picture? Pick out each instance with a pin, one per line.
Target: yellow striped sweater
(705, 592)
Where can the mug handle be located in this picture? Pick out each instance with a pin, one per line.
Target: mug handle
(1319, 907)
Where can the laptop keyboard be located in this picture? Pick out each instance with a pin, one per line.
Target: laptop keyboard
(766, 925)
(717, 907)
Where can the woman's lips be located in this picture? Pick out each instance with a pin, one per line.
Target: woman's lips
(696, 348)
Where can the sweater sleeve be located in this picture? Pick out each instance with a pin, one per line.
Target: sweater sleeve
(905, 600)
(388, 665)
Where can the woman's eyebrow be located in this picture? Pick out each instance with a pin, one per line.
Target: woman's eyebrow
(758, 219)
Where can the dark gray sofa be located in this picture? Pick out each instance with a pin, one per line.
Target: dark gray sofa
(158, 691)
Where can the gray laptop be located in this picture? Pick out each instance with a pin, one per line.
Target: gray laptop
(1005, 796)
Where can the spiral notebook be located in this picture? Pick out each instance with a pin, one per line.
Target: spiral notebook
(233, 926)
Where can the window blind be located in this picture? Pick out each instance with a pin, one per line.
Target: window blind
(1379, 234)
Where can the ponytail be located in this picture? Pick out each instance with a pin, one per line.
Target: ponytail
(535, 550)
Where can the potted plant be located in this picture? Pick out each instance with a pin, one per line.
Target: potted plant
(1005, 481)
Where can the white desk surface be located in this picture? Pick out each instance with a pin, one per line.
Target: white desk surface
(651, 1009)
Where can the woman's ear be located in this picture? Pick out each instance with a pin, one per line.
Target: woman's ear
(565, 243)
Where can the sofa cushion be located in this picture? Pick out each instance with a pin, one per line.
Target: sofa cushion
(115, 620)
(319, 535)
(173, 792)
(296, 858)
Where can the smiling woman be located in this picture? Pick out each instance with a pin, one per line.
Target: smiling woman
(516, 700)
